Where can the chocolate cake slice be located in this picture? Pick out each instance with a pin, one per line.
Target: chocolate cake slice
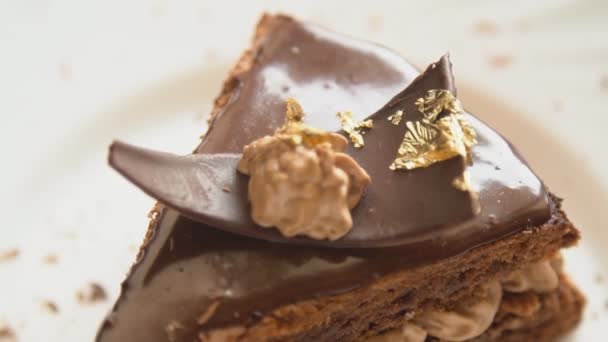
(496, 276)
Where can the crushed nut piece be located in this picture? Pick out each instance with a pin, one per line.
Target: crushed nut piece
(353, 128)
(49, 306)
(9, 255)
(91, 293)
(436, 137)
(395, 119)
(301, 182)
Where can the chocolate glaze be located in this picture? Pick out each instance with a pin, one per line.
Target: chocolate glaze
(399, 208)
(185, 268)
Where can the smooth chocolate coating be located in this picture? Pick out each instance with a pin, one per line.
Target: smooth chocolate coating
(185, 268)
(399, 208)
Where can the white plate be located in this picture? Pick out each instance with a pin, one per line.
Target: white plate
(75, 76)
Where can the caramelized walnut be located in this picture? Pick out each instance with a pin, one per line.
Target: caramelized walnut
(303, 184)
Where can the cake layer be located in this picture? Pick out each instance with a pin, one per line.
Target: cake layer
(190, 279)
(558, 313)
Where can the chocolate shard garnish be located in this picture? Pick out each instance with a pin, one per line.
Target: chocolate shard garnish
(397, 208)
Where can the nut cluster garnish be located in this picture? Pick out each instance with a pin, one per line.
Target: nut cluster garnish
(354, 129)
(301, 182)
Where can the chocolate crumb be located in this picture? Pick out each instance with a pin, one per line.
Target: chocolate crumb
(208, 313)
(599, 278)
(257, 315)
(174, 331)
(500, 61)
(67, 234)
(226, 189)
(558, 106)
(9, 255)
(604, 83)
(65, 71)
(91, 293)
(50, 306)
(50, 259)
(7, 334)
(111, 319)
(375, 22)
(486, 27)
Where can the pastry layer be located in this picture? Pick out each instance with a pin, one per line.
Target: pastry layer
(527, 316)
(558, 313)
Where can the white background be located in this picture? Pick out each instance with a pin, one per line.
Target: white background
(76, 74)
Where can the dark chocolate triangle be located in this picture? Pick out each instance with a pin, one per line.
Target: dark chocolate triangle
(420, 201)
(399, 206)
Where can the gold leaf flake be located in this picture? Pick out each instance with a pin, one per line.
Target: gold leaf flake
(437, 101)
(295, 113)
(395, 119)
(295, 131)
(462, 182)
(432, 140)
(353, 128)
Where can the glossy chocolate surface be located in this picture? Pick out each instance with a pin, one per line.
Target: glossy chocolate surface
(399, 208)
(185, 268)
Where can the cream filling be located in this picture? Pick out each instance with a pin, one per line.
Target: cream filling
(540, 278)
(471, 320)
(408, 333)
(464, 321)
